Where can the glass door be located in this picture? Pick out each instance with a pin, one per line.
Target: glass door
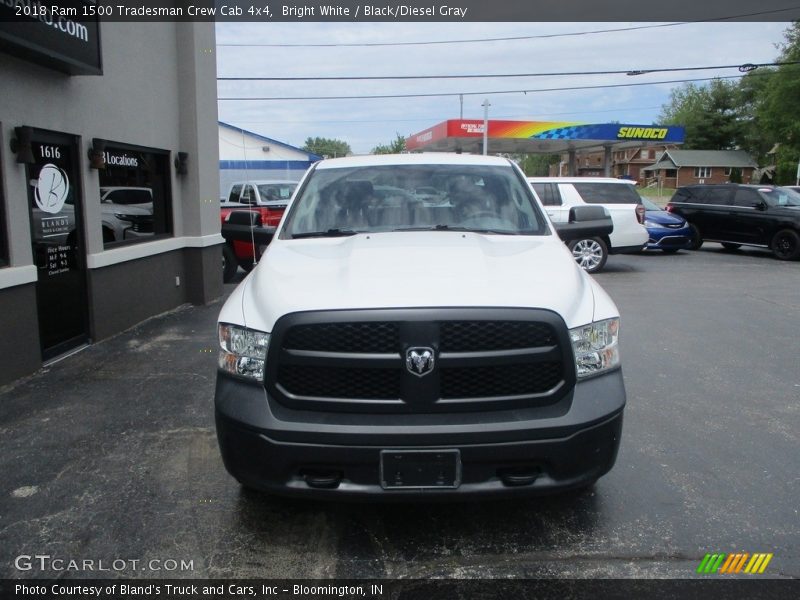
(55, 202)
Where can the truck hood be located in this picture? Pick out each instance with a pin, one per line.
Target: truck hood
(412, 269)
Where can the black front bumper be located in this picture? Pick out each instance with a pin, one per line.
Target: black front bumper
(543, 449)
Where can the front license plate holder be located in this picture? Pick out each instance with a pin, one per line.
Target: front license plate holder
(420, 469)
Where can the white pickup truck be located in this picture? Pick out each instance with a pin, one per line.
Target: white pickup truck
(392, 347)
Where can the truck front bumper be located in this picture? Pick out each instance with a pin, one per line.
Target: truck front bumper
(545, 449)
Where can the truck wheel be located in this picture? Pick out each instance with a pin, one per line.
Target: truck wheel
(590, 253)
(229, 264)
(697, 238)
(786, 244)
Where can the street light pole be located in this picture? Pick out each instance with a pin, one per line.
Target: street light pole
(486, 106)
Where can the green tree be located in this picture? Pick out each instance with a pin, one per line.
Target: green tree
(536, 165)
(778, 109)
(709, 113)
(754, 136)
(396, 146)
(329, 148)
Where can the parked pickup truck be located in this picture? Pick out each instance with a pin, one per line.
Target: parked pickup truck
(269, 199)
(392, 347)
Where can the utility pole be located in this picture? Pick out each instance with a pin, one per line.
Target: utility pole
(485, 106)
(461, 103)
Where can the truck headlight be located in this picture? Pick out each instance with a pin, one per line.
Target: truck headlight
(596, 347)
(243, 351)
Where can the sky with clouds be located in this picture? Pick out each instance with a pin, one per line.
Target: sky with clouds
(368, 122)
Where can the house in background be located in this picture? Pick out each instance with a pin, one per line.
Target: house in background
(244, 155)
(626, 163)
(675, 168)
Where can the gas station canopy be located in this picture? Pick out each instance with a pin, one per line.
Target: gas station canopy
(539, 137)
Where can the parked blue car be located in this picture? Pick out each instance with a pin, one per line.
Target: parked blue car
(668, 232)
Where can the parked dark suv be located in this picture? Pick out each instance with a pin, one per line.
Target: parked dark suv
(736, 215)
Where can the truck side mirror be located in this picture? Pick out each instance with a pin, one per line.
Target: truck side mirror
(251, 218)
(585, 221)
(581, 214)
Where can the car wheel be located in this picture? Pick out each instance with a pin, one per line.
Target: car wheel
(697, 238)
(229, 264)
(730, 246)
(590, 253)
(786, 244)
(669, 250)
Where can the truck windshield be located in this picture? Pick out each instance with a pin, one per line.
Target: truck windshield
(373, 199)
(276, 191)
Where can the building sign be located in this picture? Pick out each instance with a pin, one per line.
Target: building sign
(52, 203)
(549, 136)
(56, 35)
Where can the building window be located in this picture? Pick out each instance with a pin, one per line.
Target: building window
(645, 154)
(135, 195)
(702, 172)
(728, 171)
(671, 173)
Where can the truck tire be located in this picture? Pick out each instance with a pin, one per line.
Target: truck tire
(697, 237)
(229, 264)
(590, 253)
(786, 244)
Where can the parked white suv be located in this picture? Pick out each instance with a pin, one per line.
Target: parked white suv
(617, 196)
(386, 347)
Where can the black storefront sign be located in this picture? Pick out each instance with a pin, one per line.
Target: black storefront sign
(55, 203)
(65, 39)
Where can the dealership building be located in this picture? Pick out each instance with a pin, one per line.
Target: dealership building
(248, 156)
(109, 181)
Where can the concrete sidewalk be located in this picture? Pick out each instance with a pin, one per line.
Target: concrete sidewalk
(100, 453)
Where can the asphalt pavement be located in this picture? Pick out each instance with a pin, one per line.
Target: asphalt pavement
(110, 455)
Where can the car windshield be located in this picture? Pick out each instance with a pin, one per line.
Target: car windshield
(780, 196)
(276, 191)
(382, 198)
(649, 205)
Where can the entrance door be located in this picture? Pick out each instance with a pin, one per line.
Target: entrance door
(54, 198)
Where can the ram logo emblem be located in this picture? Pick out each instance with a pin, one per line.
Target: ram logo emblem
(419, 361)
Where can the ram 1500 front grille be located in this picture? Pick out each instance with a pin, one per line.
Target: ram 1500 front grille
(358, 361)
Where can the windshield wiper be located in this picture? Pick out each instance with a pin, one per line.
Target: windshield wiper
(328, 233)
(459, 228)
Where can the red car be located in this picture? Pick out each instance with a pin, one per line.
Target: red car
(267, 198)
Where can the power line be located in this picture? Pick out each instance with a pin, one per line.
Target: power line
(440, 42)
(495, 92)
(430, 119)
(508, 38)
(633, 72)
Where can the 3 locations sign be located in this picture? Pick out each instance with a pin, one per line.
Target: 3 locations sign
(64, 36)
